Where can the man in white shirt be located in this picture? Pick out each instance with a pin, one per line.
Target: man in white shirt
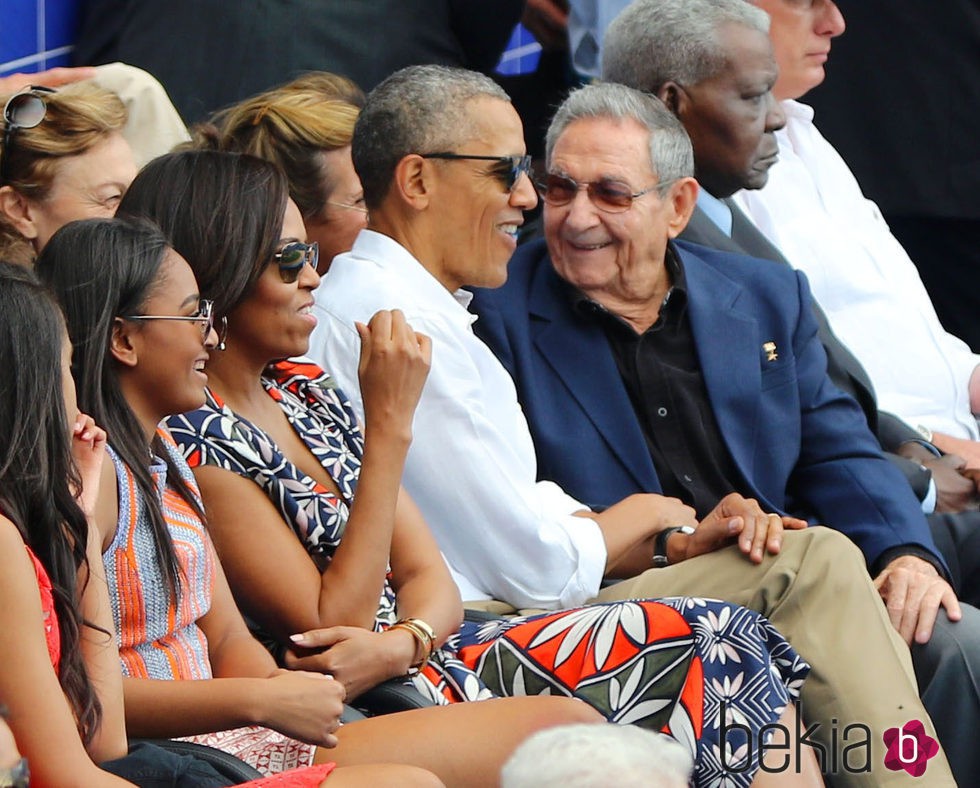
(813, 210)
(439, 153)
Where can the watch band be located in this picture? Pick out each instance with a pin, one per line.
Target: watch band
(660, 544)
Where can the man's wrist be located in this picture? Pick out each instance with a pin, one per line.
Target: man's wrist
(663, 553)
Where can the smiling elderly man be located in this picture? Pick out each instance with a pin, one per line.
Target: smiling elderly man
(644, 365)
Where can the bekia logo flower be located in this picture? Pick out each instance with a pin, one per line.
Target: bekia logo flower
(909, 748)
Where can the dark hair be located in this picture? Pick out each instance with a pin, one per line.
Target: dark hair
(221, 211)
(37, 472)
(419, 109)
(100, 269)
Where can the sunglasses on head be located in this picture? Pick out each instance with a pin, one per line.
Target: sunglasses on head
(607, 195)
(508, 173)
(293, 256)
(23, 110)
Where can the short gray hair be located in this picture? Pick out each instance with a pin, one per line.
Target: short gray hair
(594, 755)
(653, 41)
(419, 109)
(671, 155)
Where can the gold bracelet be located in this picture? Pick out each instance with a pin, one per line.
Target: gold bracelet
(425, 638)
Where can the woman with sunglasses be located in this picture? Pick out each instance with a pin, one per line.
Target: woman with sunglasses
(142, 336)
(62, 157)
(305, 127)
(325, 552)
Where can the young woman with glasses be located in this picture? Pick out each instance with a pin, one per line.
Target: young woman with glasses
(62, 157)
(142, 336)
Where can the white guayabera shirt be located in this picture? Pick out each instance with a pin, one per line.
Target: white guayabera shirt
(813, 210)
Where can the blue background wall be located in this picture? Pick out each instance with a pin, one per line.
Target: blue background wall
(36, 34)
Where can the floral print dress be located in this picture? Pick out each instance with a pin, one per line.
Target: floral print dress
(669, 665)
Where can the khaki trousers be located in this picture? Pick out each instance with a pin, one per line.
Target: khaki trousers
(818, 594)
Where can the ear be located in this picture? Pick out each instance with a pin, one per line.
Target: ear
(413, 181)
(121, 343)
(18, 210)
(683, 197)
(675, 97)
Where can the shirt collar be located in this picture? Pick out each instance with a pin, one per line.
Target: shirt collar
(719, 213)
(795, 109)
(396, 261)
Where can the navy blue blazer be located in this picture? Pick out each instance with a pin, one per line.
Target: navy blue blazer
(802, 445)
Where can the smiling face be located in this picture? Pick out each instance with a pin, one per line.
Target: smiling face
(168, 375)
(477, 216)
(86, 186)
(731, 117)
(801, 32)
(275, 321)
(612, 257)
(343, 216)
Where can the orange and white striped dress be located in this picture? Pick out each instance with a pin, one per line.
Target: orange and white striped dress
(158, 636)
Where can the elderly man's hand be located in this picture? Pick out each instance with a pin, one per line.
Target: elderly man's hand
(913, 592)
(735, 517)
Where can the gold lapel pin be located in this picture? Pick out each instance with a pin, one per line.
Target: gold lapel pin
(770, 348)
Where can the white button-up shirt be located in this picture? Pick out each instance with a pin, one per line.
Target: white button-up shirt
(471, 467)
(813, 210)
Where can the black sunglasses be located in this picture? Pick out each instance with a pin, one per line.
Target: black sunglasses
(293, 256)
(607, 195)
(510, 171)
(23, 110)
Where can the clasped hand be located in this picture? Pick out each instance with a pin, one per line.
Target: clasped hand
(735, 518)
(357, 658)
(303, 705)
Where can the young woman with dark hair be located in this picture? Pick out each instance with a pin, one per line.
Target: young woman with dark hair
(49, 466)
(142, 335)
(59, 667)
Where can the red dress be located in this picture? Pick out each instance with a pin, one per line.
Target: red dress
(306, 777)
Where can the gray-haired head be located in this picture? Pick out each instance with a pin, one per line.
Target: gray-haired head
(597, 755)
(671, 156)
(419, 109)
(653, 41)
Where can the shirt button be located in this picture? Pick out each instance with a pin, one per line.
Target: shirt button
(688, 478)
(661, 412)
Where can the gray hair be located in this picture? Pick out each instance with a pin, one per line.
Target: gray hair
(671, 155)
(419, 109)
(653, 41)
(595, 756)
